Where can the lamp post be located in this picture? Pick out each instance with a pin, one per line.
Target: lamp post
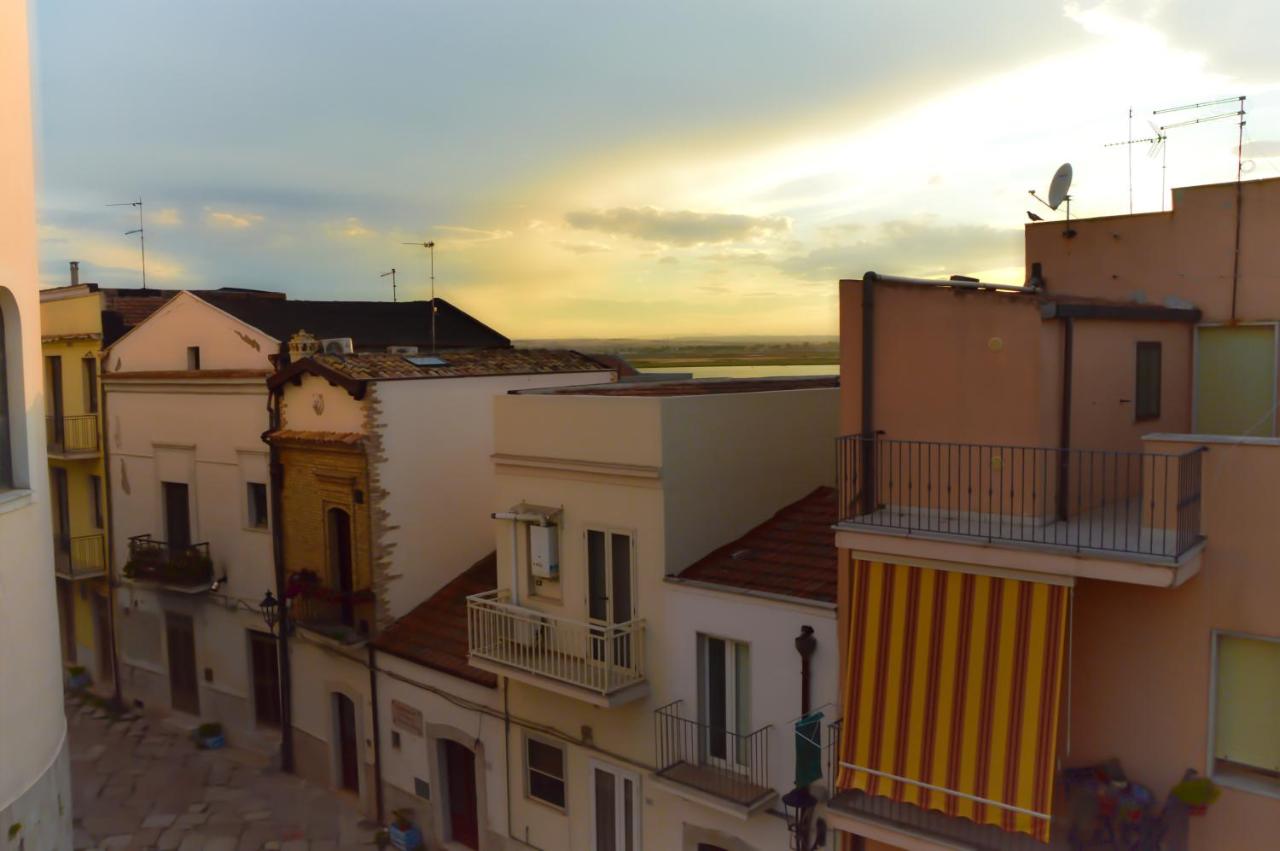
(270, 609)
(798, 806)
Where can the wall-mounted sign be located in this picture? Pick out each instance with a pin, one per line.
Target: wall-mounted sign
(405, 717)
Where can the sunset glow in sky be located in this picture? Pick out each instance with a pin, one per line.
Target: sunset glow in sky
(595, 169)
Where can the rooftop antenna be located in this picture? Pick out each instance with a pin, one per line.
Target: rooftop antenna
(1157, 142)
(392, 273)
(1059, 191)
(142, 236)
(431, 247)
(1238, 113)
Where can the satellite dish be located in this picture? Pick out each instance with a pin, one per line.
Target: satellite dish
(1059, 186)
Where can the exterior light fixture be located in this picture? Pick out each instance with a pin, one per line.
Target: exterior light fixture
(798, 807)
(270, 609)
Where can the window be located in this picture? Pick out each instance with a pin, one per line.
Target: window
(95, 494)
(193, 358)
(609, 594)
(544, 772)
(89, 368)
(1147, 393)
(724, 701)
(6, 447)
(257, 504)
(1246, 702)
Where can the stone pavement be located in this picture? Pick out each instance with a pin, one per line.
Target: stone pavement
(140, 784)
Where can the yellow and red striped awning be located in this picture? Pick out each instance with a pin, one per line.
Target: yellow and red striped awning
(952, 690)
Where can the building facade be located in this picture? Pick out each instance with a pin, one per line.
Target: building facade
(385, 482)
(1058, 613)
(612, 677)
(35, 787)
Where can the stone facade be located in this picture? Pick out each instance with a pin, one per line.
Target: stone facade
(319, 476)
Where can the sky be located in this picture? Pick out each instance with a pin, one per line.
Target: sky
(609, 169)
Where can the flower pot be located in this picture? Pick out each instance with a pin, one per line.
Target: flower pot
(405, 839)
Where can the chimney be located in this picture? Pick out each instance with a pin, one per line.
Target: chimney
(75, 273)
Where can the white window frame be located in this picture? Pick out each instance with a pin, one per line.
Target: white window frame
(529, 769)
(608, 532)
(620, 776)
(248, 507)
(730, 761)
(1270, 789)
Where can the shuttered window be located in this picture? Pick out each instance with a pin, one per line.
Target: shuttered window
(1147, 392)
(1246, 728)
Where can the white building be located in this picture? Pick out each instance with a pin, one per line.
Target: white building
(622, 674)
(386, 483)
(35, 799)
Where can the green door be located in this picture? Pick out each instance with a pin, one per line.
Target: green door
(1236, 380)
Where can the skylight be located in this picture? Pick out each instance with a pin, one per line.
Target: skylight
(425, 360)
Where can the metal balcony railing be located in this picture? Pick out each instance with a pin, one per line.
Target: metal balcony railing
(600, 658)
(81, 557)
(344, 616)
(78, 434)
(1138, 503)
(729, 765)
(152, 560)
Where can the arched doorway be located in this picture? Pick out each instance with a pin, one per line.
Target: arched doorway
(338, 523)
(346, 752)
(462, 818)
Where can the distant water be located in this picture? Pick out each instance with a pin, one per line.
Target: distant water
(750, 371)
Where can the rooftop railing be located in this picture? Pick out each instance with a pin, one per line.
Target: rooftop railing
(1137, 503)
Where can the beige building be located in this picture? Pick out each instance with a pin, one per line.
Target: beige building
(385, 483)
(622, 672)
(35, 793)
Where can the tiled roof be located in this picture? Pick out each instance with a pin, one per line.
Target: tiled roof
(122, 309)
(695, 386)
(376, 366)
(435, 633)
(792, 553)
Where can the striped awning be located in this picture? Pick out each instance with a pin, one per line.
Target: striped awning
(951, 692)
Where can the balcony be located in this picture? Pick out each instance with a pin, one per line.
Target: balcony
(72, 436)
(187, 569)
(727, 771)
(342, 617)
(601, 664)
(1135, 507)
(83, 557)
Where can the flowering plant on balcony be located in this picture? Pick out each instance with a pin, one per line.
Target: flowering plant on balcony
(157, 562)
(307, 585)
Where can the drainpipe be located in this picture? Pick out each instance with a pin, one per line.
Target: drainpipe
(1064, 429)
(805, 645)
(277, 553)
(868, 393)
(116, 694)
(377, 735)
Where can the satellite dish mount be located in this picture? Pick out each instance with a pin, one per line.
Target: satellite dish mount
(1059, 193)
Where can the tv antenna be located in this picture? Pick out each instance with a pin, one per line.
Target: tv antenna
(392, 273)
(142, 236)
(431, 247)
(1157, 141)
(1239, 114)
(1059, 192)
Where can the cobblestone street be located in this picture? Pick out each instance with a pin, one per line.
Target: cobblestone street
(138, 783)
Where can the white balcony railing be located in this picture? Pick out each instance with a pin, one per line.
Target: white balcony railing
(602, 659)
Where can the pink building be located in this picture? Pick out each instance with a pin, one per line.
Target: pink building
(1057, 540)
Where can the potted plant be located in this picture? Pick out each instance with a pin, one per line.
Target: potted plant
(209, 736)
(405, 835)
(77, 678)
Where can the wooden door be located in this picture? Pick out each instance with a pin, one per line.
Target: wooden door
(348, 764)
(54, 407)
(184, 689)
(614, 808)
(177, 516)
(102, 638)
(61, 520)
(263, 654)
(460, 773)
(67, 614)
(339, 523)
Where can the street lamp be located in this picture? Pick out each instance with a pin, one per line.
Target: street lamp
(270, 609)
(798, 807)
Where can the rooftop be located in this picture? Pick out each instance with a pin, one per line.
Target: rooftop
(792, 554)
(351, 371)
(434, 634)
(694, 386)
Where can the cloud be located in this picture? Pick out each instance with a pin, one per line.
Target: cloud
(168, 217)
(119, 259)
(351, 228)
(458, 233)
(910, 247)
(677, 227)
(584, 247)
(234, 221)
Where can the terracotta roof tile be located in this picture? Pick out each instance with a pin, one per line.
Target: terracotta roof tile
(376, 366)
(435, 633)
(695, 386)
(792, 553)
